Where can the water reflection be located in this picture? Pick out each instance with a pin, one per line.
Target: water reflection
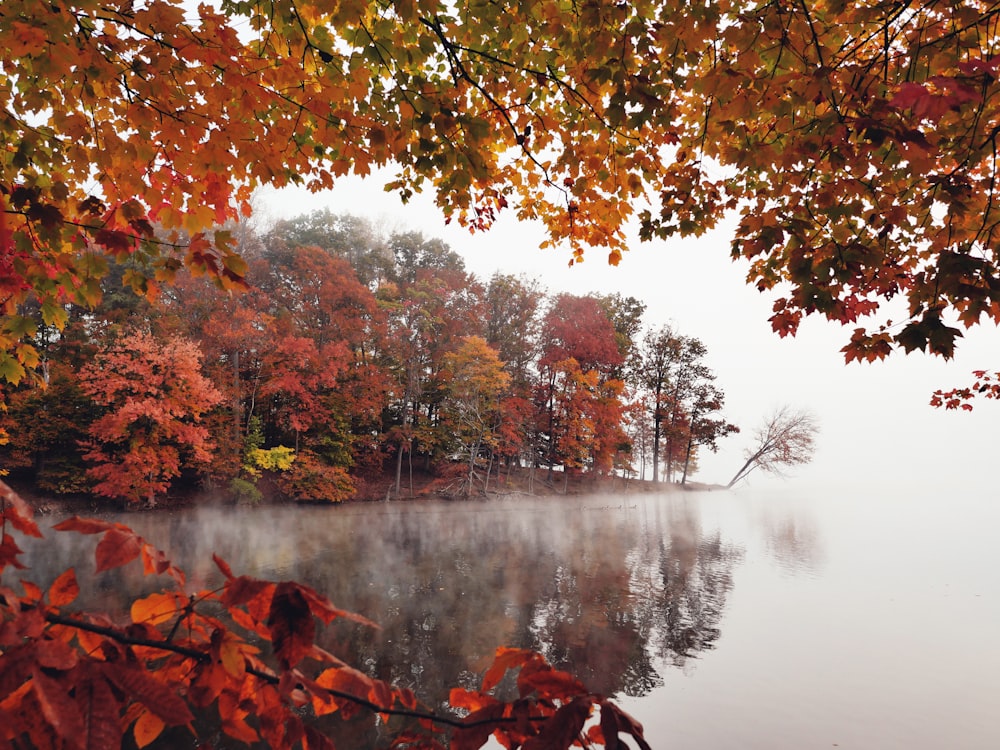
(793, 543)
(612, 591)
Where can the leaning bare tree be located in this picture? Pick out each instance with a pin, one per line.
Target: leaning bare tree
(786, 438)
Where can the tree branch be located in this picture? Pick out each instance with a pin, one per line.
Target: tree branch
(119, 636)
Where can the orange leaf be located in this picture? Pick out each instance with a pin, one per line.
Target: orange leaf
(157, 609)
(233, 720)
(147, 728)
(154, 560)
(32, 593)
(64, 589)
(469, 699)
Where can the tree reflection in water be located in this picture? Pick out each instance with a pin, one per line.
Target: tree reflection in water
(614, 590)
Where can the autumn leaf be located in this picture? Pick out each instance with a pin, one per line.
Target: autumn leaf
(60, 710)
(117, 547)
(32, 592)
(157, 609)
(506, 658)
(101, 707)
(84, 525)
(475, 737)
(622, 722)
(546, 681)
(64, 589)
(147, 728)
(153, 694)
(223, 566)
(562, 729)
(55, 654)
(291, 624)
(17, 512)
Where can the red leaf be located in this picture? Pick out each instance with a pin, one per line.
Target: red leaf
(60, 711)
(154, 560)
(609, 728)
(314, 740)
(83, 525)
(32, 593)
(473, 738)
(548, 682)
(18, 512)
(116, 548)
(117, 243)
(102, 709)
(9, 552)
(323, 608)
(561, 731)
(241, 590)
(64, 589)
(506, 658)
(55, 654)
(291, 622)
(153, 694)
(625, 723)
(223, 566)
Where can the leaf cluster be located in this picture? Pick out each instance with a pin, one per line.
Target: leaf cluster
(245, 653)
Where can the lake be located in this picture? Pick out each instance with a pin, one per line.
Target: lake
(779, 618)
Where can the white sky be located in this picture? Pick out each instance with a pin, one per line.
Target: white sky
(876, 424)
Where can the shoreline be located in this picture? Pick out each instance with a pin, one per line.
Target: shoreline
(520, 482)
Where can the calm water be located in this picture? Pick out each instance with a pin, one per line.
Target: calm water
(745, 620)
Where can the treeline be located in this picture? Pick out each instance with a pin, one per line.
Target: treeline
(351, 354)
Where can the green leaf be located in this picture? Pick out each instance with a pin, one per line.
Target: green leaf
(54, 314)
(11, 370)
(20, 326)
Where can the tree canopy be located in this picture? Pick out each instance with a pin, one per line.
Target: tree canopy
(855, 142)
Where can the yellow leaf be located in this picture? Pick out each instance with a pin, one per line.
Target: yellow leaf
(232, 657)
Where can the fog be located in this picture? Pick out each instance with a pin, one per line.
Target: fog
(771, 618)
(876, 423)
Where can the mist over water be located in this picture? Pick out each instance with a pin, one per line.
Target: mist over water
(777, 618)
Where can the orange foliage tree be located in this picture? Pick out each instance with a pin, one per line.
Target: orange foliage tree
(155, 396)
(855, 142)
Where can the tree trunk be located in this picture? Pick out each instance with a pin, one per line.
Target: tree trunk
(744, 470)
(687, 458)
(399, 467)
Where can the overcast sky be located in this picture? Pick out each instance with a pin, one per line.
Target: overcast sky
(876, 424)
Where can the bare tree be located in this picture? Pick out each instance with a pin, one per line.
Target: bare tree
(787, 438)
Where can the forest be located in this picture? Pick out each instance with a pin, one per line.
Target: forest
(356, 354)
(852, 145)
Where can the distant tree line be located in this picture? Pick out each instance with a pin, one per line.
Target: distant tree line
(354, 352)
